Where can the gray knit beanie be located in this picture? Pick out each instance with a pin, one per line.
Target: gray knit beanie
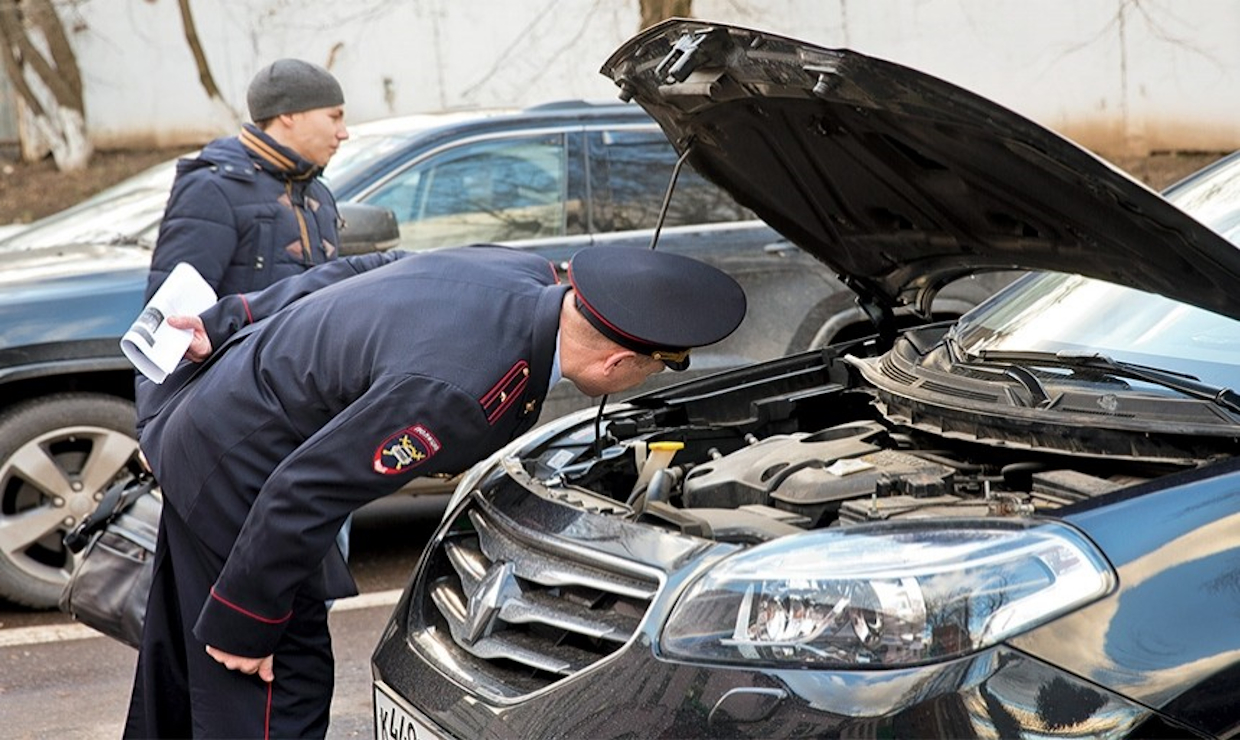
(291, 86)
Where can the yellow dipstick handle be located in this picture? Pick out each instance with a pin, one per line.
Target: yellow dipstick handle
(660, 455)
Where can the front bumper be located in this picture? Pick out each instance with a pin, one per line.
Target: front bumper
(627, 689)
(1000, 693)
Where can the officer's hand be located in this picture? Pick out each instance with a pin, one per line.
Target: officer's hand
(248, 666)
(200, 345)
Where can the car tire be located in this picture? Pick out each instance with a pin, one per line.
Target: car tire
(57, 456)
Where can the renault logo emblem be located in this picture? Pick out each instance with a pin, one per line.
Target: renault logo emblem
(485, 604)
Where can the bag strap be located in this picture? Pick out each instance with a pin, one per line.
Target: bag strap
(116, 499)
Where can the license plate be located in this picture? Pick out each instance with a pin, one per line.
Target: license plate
(394, 722)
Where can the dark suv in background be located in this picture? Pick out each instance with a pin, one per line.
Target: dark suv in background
(555, 178)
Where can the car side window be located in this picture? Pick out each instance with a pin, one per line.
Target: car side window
(488, 191)
(629, 172)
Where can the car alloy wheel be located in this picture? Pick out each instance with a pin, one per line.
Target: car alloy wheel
(57, 455)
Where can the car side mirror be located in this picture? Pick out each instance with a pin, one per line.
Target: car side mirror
(367, 229)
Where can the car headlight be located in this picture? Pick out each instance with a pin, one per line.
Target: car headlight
(887, 594)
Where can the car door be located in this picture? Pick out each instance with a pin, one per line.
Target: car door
(490, 189)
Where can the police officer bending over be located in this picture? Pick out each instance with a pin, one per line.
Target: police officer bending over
(334, 388)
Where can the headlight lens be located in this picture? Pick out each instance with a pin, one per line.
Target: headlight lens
(884, 595)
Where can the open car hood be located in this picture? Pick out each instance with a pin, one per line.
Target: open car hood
(902, 182)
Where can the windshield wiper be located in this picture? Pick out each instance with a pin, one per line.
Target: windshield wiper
(1037, 392)
(1182, 382)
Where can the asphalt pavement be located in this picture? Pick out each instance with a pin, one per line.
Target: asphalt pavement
(61, 680)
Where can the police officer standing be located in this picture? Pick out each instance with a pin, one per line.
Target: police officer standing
(326, 393)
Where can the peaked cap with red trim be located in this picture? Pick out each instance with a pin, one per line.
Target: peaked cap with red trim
(655, 303)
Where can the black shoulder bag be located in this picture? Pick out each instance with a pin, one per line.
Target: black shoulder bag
(112, 577)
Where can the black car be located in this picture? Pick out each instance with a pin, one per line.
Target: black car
(1023, 523)
(554, 178)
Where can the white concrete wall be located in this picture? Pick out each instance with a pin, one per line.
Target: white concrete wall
(1122, 76)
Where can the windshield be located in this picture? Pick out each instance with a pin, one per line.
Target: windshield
(1054, 312)
(357, 154)
(1212, 196)
(126, 213)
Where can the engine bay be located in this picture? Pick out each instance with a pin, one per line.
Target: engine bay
(807, 448)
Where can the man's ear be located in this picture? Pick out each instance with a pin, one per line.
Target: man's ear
(286, 119)
(615, 358)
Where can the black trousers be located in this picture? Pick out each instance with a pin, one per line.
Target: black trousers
(180, 691)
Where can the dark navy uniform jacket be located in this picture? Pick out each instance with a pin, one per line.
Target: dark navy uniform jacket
(423, 365)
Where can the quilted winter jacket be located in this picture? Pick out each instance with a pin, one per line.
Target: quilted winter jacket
(245, 212)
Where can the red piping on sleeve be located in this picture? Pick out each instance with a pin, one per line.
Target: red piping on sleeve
(249, 614)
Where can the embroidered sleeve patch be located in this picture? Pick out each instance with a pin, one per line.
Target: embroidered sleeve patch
(408, 448)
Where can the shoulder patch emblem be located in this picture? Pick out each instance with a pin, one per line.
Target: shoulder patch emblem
(408, 448)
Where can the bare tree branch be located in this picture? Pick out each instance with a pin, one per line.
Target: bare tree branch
(12, 32)
(43, 71)
(195, 47)
(45, 18)
(60, 74)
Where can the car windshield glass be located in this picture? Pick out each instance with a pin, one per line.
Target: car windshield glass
(126, 213)
(1212, 197)
(1056, 313)
(1053, 312)
(358, 153)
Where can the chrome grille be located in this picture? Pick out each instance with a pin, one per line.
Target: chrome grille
(511, 613)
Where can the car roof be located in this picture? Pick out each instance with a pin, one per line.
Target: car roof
(450, 121)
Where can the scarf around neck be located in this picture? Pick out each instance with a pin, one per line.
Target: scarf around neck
(274, 157)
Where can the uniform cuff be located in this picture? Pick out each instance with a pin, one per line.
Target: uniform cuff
(234, 629)
(226, 318)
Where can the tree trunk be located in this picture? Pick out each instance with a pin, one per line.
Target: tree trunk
(43, 70)
(222, 112)
(654, 11)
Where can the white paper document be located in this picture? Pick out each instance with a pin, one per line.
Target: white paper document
(151, 344)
